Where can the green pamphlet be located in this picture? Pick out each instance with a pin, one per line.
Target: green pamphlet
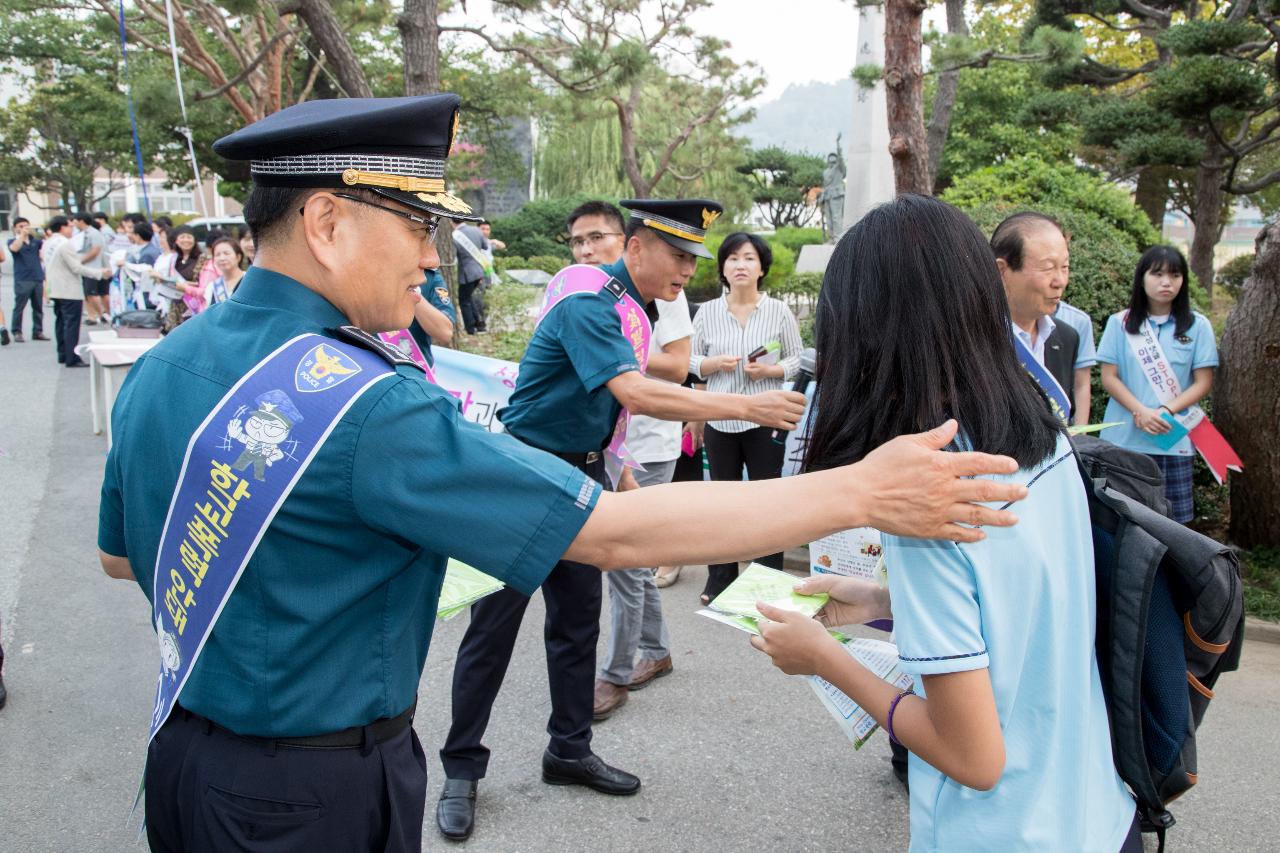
(736, 606)
(463, 586)
(1088, 428)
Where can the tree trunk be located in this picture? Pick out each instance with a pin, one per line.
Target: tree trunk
(1152, 193)
(1246, 399)
(904, 91)
(419, 26)
(1210, 194)
(327, 31)
(944, 100)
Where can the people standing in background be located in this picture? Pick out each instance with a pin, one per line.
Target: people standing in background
(433, 316)
(246, 246)
(744, 342)
(1160, 301)
(471, 245)
(91, 246)
(63, 273)
(157, 224)
(187, 263)
(28, 280)
(1086, 358)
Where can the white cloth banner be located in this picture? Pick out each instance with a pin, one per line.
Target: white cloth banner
(481, 384)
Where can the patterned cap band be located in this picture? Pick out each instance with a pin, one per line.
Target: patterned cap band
(332, 164)
(670, 226)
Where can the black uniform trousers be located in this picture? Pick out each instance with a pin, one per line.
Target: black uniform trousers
(208, 789)
(572, 593)
(727, 453)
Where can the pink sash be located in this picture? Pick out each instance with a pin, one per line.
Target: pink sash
(580, 279)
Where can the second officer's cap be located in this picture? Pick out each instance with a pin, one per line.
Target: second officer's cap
(682, 223)
(395, 147)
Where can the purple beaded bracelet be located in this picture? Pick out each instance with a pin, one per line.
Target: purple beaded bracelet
(893, 706)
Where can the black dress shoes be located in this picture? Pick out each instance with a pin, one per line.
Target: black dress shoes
(4, 694)
(590, 772)
(456, 811)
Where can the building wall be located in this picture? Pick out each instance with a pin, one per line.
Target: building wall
(126, 196)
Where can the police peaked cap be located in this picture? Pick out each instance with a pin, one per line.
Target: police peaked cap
(682, 223)
(395, 147)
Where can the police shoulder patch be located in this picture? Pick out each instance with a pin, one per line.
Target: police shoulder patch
(390, 354)
(616, 288)
(442, 293)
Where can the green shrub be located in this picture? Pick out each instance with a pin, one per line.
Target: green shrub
(1233, 274)
(537, 229)
(794, 238)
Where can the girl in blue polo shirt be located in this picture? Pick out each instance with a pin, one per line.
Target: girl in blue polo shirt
(1006, 724)
(1161, 303)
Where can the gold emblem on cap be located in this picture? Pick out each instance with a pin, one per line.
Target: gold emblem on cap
(446, 200)
(709, 216)
(404, 183)
(453, 131)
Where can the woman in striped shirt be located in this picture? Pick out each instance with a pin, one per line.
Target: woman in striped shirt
(744, 342)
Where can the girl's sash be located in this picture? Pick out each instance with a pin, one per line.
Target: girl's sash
(1208, 442)
(240, 466)
(583, 279)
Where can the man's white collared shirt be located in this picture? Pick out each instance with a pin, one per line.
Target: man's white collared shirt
(1044, 328)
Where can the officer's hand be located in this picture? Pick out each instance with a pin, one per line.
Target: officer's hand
(777, 409)
(914, 488)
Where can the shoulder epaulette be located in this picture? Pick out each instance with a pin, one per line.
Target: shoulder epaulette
(616, 288)
(363, 339)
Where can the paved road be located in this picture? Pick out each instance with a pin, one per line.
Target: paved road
(733, 754)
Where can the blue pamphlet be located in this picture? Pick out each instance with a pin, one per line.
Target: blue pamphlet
(1175, 434)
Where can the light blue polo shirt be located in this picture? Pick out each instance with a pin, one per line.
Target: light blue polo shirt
(330, 624)
(1197, 348)
(1021, 604)
(562, 401)
(1086, 354)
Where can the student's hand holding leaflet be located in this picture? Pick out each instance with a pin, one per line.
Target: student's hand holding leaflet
(957, 729)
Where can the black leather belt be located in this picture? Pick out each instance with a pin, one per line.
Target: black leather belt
(579, 459)
(376, 732)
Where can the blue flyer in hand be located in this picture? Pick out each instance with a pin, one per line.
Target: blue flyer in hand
(1175, 434)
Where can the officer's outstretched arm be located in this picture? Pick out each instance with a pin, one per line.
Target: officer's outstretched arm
(642, 396)
(116, 567)
(908, 487)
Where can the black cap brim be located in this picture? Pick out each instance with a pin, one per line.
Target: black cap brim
(443, 204)
(694, 248)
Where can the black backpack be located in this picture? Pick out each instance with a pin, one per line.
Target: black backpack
(1170, 621)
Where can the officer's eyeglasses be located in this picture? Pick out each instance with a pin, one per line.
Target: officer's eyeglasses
(431, 223)
(592, 238)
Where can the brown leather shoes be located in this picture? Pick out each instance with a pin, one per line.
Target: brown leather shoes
(647, 670)
(609, 697)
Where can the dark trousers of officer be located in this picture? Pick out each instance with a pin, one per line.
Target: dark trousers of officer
(572, 596)
(28, 293)
(210, 790)
(66, 328)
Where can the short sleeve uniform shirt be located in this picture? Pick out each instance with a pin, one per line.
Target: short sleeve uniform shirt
(1086, 353)
(1186, 353)
(329, 625)
(436, 292)
(1022, 605)
(561, 402)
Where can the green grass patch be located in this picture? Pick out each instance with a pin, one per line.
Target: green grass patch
(1261, 570)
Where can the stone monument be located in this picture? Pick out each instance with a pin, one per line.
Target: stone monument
(870, 165)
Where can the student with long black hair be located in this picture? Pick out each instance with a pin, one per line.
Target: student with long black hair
(1008, 733)
(1160, 306)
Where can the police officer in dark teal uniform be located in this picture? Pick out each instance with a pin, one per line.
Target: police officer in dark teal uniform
(434, 311)
(575, 376)
(293, 731)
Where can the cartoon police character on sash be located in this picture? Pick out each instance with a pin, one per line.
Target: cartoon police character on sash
(262, 433)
